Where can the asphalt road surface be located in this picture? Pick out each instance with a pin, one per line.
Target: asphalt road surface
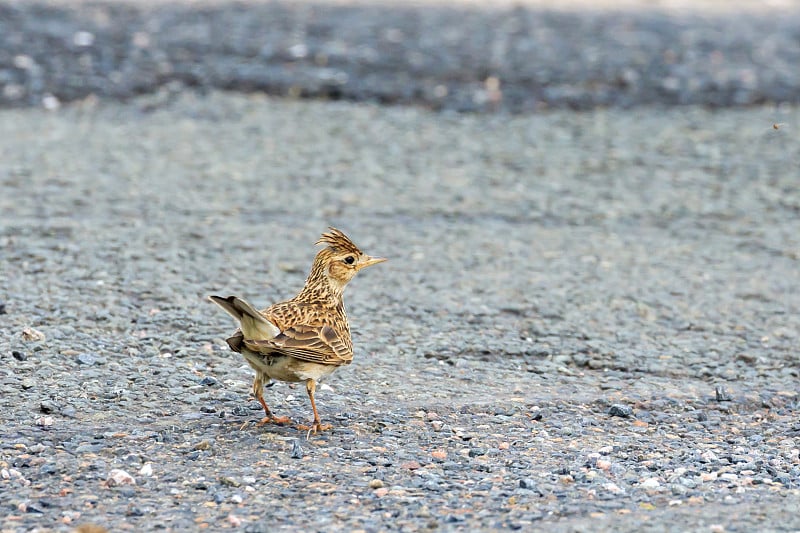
(588, 320)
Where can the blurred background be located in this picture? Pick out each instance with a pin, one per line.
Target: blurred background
(461, 55)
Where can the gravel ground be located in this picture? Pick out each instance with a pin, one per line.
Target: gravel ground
(588, 320)
(519, 56)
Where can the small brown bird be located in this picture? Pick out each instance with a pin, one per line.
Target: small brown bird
(305, 338)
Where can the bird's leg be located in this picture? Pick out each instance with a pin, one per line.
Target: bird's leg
(311, 386)
(258, 392)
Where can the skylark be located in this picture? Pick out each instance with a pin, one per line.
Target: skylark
(305, 338)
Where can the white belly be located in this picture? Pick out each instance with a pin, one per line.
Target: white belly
(287, 368)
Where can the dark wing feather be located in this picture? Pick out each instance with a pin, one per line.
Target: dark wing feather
(307, 343)
(308, 333)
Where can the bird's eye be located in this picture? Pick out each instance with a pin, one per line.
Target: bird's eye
(349, 259)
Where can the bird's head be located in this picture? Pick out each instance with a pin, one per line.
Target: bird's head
(340, 260)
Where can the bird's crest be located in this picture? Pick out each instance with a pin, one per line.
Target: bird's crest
(338, 241)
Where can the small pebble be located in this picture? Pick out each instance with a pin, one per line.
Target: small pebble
(146, 470)
(19, 356)
(604, 465)
(37, 448)
(32, 335)
(721, 394)
(85, 359)
(48, 406)
(297, 449)
(119, 477)
(650, 483)
(375, 484)
(441, 455)
(709, 457)
(229, 482)
(620, 410)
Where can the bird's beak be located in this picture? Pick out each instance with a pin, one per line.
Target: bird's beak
(369, 261)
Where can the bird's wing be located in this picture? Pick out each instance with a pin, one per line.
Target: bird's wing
(315, 344)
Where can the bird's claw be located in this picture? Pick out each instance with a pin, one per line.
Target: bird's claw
(279, 420)
(313, 428)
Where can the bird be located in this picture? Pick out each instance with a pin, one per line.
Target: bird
(307, 337)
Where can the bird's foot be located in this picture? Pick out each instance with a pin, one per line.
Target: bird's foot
(314, 428)
(280, 420)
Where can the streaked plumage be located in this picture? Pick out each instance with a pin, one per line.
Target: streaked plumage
(305, 338)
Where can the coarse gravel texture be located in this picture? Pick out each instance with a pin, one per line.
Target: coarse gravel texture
(588, 320)
(473, 56)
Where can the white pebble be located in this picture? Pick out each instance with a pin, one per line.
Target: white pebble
(119, 477)
(83, 38)
(24, 62)
(298, 51)
(33, 335)
(650, 483)
(51, 102)
(236, 498)
(708, 456)
(146, 470)
(44, 421)
(141, 39)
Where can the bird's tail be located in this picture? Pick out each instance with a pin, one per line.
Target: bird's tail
(254, 325)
